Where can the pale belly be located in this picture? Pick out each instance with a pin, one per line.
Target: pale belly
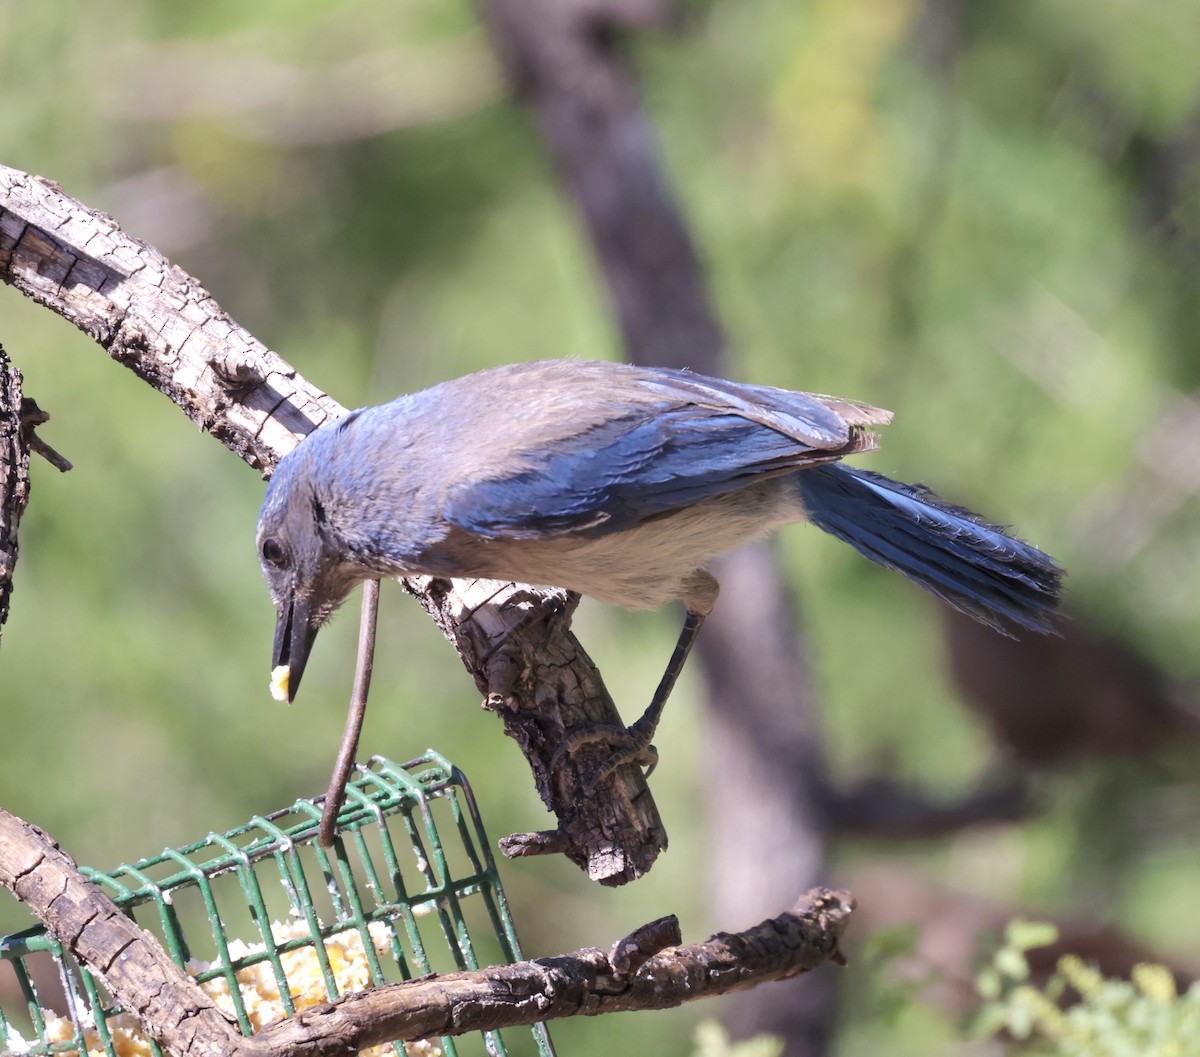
(638, 568)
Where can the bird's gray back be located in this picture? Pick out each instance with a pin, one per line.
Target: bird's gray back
(535, 451)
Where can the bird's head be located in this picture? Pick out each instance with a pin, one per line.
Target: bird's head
(304, 559)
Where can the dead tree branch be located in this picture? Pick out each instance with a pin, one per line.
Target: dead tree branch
(586, 982)
(647, 970)
(132, 965)
(162, 324)
(19, 417)
(14, 476)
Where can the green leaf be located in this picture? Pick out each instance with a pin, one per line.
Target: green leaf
(1025, 935)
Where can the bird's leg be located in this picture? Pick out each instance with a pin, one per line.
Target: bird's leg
(634, 742)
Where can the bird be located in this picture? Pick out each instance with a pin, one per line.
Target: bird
(618, 482)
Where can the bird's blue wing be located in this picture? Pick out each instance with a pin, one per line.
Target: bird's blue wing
(625, 470)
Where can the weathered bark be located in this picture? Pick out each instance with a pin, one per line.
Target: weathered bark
(644, 971)
(19, 417)
(162, 324)
(134, 967)
(585, 983)
(510, 642)
(14, 477)
(155, 319)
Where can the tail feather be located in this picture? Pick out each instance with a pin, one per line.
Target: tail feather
(974, 566)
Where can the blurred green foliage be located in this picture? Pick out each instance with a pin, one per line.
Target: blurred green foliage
(1080, 1013)
(712, 1040)
(984, 216)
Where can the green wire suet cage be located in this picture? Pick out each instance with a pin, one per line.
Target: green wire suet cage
(269, 922)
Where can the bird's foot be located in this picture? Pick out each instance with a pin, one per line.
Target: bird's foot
(634, 747)
(631, 745)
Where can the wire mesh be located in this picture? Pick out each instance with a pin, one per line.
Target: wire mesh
(269, 922)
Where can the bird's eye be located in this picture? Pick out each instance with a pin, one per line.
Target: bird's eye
(272, 551)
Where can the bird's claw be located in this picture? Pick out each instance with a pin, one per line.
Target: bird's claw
(632, 746)
(642, 755)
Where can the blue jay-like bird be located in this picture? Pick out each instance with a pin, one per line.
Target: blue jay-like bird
(617, 482)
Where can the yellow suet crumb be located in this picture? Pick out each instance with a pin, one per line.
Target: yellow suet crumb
(279, 682)
(260, 990)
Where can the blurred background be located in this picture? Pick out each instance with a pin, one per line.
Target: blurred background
(984, 217)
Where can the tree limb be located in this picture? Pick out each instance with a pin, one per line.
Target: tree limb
(646, 970)
(130, 962)
(19, 417)
(14, 476)
(888, 810)
(585, 982)
(162, 324)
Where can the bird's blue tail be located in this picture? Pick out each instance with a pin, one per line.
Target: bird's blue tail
(976, 567)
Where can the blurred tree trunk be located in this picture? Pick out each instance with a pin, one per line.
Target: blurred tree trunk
(767, 832)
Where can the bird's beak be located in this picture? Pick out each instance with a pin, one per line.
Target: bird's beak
(294, 636)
